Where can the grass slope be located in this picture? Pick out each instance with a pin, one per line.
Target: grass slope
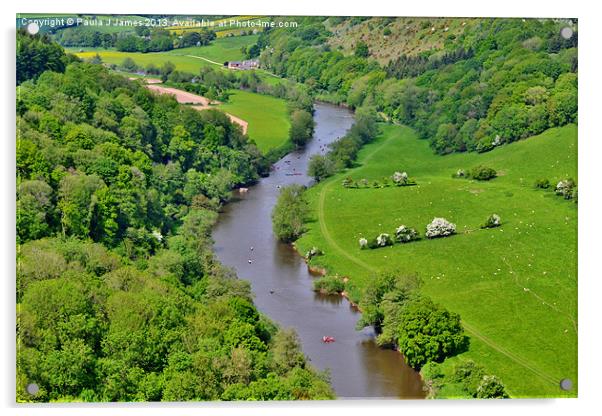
(515, 286)
(267, 117)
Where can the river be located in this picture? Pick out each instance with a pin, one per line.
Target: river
(282, 284)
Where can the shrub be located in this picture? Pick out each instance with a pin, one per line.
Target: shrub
(405, 234)
(313, 252)
(440, 227)
(565, 188)
(469, 375)
(492, 221)
(384, 240)
(542, 183)
(460, 173)
(491, 387)
(400, 178)
(329, 284)
(348, 182)
(483, 173)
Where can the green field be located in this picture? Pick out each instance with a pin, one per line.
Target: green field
(515, 286)
(185, 59)
(267, 116)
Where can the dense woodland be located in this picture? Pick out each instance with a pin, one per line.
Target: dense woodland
(117, 190)
(504, 80)
(119, 296)
(139, 39)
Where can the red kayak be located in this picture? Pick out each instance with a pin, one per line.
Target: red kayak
(327, 339)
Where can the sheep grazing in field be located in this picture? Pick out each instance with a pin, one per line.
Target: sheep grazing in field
(363, 243)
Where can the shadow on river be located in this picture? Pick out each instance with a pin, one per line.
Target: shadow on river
(282, 284)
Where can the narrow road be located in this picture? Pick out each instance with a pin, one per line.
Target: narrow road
(205, 59)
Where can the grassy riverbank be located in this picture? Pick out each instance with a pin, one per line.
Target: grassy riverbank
(514, 286)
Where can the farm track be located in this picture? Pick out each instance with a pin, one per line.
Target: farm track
(205, 59)
(469, 328)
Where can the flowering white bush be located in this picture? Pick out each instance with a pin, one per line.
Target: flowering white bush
(565, 188)
(405, 234)
(384, 240)
(363, 243)
(400, 178)
(440, 227)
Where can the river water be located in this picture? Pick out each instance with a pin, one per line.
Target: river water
(282, 284)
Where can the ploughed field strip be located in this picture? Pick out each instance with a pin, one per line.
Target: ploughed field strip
(197, 102)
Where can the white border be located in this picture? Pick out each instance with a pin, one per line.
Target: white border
(590, 180)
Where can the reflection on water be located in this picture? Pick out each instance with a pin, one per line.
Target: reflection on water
(282, 284)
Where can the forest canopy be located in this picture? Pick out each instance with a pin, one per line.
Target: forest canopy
(499, 81)
(119, 296)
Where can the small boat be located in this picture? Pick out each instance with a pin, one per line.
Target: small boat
(327, 339)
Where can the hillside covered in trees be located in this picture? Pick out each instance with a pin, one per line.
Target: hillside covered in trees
(119, 296)
(490, 82)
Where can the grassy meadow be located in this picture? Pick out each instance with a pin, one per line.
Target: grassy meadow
(267, 116)
(514, 286)
(185, 59)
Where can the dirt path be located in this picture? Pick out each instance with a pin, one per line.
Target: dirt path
(198, 102)
(183, 97)
(205, 59)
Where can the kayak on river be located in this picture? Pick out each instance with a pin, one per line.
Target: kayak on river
(327, 339)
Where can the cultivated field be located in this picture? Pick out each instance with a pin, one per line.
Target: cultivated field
(515, 286)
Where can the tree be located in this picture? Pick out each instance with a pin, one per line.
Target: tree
(128, 43)
(361, 50)
(320, 167)
(491, 387)
(34, 210)
(482, 173)
(427, 332)
(289, 213)
(129, 65)
(36, 54)
(76, 202)
(302, 127)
